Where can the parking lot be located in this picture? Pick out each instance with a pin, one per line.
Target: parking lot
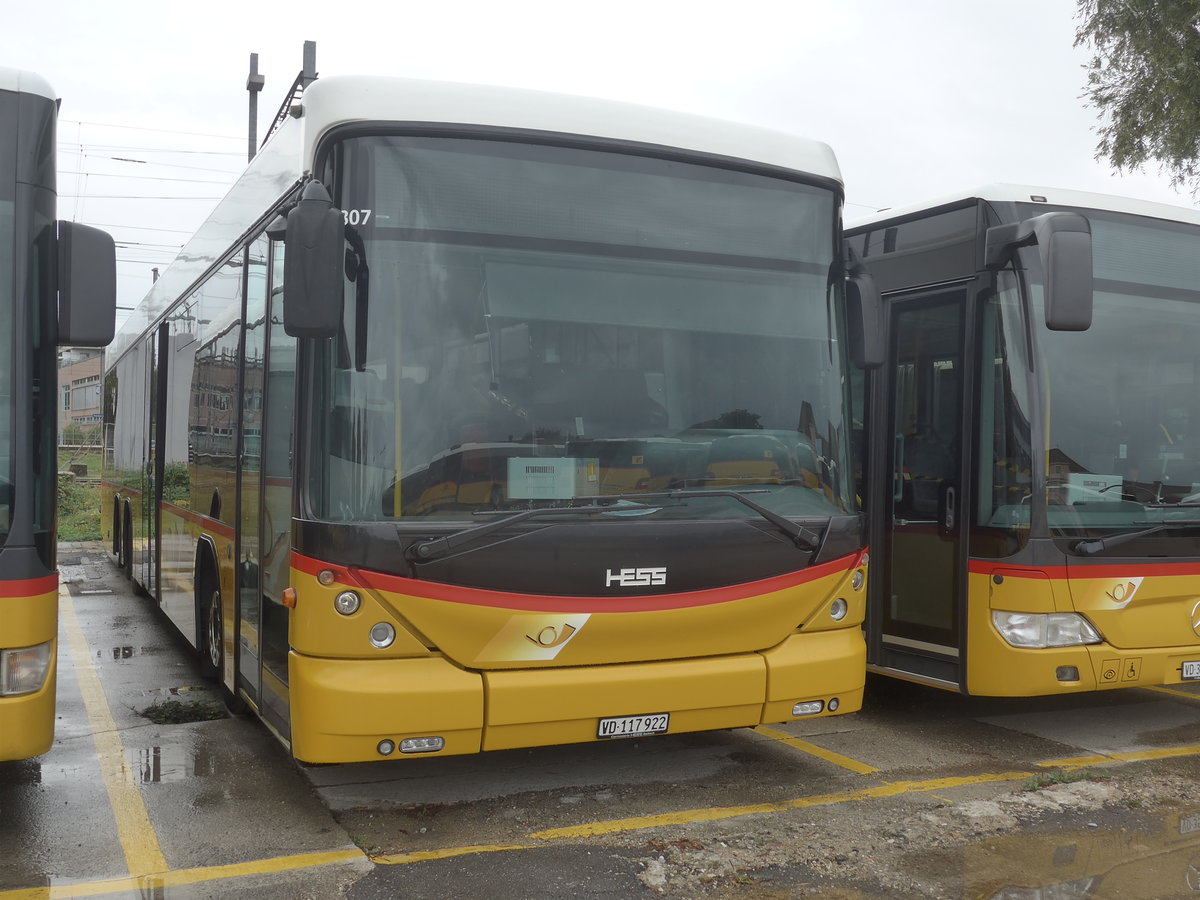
(922, 794)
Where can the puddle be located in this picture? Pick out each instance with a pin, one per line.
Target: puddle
(169, 763)
(1089, 864)
(128, 651)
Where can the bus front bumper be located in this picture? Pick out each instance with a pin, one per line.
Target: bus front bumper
(346, 710)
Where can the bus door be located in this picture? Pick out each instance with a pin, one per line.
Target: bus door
(249, 550)
(156, 349)
(917, 501)
(145, 516)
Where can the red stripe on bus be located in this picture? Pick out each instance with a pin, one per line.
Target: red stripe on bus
(29, 587)
(205, 522)
(1083, 569)
(545, 603)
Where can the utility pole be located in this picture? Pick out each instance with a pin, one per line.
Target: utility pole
(309, 74)
(254, 84)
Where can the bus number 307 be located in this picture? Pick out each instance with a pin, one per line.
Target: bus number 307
(356, 216)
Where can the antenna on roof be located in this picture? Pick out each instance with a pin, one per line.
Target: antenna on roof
(254, 84)
(308, 74)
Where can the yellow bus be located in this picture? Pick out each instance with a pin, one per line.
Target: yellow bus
(1033, 443)
(355, 430)
(57, 287)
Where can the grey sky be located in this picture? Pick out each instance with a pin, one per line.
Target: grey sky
(918, 98)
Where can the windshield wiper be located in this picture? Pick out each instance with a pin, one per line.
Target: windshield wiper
(803, 537)
(1086, 547)
(432, 548)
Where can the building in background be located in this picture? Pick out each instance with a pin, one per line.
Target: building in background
(79, 396)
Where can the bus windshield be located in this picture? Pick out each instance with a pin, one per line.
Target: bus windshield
(1124, 397)
(529, 324)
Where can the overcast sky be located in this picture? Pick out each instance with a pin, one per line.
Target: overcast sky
(918, 98)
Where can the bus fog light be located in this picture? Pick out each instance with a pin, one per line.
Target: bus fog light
(347, 603)
(808, 708)
(386, 747)
(838, 609)
(1067, 673)
(382, 635)
(24, 670)
(422, 745)
(1041, 630)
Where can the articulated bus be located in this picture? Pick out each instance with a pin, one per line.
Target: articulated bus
(1033, 443)
(57, 286)
(357, 434)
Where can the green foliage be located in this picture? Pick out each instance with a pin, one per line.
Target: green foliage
(176, 484)
(177, 712)
(78, 510)
(1144, 78)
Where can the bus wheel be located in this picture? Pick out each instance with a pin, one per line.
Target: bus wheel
(127, 543)
(208, 617)
(214, 639)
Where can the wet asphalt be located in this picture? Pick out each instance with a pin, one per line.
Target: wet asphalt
(124, 807)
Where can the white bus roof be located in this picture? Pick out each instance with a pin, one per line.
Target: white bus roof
(1016, 193)
(329, 102)
(25, 82)
(338, 100)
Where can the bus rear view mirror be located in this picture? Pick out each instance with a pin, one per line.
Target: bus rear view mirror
(1064, 242)
(87, 286)
(312, 266)
(864, 315)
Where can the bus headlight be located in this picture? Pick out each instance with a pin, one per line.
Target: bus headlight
(24, 670)
(1045, 629)
(347, 603)
(382, 635)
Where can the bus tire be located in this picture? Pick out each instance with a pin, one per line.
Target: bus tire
(127, 542)
(209, 621)
(116, 528)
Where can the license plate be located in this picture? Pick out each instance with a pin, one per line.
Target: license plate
(1191, 670)
(633, 726)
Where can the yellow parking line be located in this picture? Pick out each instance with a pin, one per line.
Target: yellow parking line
(690, 816)
(397, 859)
(1158, 753)
(1174, 693)
(1074, 762)
(1122, 756)
(143, 856)
(148, 883)
(813, 750)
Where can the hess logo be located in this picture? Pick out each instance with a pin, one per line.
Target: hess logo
(643, 577)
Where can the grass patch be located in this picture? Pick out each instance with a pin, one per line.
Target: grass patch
(78, 510)
(179, 712)
(1049, 779)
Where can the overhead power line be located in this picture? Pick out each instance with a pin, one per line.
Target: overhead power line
(222, 137)
(132, 197)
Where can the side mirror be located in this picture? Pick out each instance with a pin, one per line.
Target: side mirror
(87, 286)
(864, 314)
(312, 266)
(1064, 242)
